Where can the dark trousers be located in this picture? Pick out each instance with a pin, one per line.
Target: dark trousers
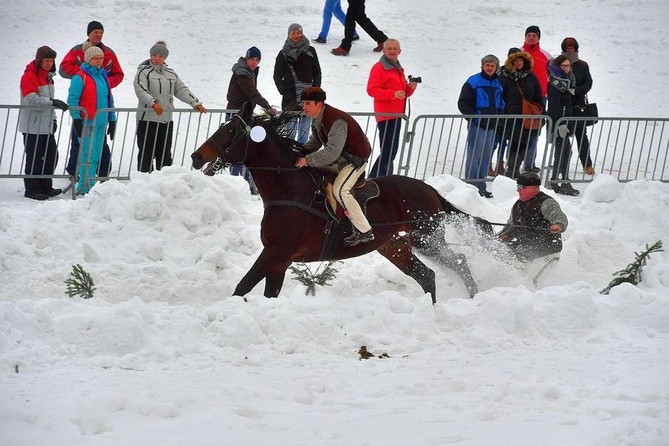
(389, 137)
(154, 140)
(356, 13)
(561, 156)
(583, 145)
(105, 158)
(41, 159)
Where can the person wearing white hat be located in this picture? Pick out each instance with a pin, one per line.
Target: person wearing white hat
(90, 90)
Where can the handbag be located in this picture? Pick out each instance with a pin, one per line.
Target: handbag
(588, 110)
(531, 108)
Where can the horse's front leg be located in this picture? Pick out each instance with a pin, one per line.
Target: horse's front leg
(267, 266)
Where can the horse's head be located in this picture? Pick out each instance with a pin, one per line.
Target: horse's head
(229, 143)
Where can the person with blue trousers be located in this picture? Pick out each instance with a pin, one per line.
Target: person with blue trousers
(90, 89)
(481, 95)
(330, 8)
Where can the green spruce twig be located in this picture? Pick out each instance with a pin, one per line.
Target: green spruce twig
(632, 274)
(305, 276)
(80, 283)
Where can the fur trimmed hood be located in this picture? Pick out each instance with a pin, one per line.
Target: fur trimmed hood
(528, 65)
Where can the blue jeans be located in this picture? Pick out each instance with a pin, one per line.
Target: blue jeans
(480, 142)
(389, 137)
(330, 8)
(299, 128)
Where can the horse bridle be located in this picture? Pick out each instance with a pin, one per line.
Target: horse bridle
(242, 130)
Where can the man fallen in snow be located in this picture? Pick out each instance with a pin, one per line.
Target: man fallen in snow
(536, 222)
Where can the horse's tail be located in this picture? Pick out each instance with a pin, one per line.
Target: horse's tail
(450, 208)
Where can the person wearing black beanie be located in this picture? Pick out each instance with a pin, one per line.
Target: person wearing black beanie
(536, 222)
(541, 59)
(92, 26)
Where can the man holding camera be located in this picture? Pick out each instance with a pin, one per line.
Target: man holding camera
(390, 90)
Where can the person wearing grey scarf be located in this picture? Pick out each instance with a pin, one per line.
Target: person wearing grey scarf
(561, 88)
(296, 68)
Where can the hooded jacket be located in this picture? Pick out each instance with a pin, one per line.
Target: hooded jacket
(158, 83)
(37, 90)
(243, 88)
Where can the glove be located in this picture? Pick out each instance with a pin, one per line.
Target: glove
(563, 131)
(111, 130)
(55, 127)
(78, 126)
(200, 108)
(59, 104)
(157, 108)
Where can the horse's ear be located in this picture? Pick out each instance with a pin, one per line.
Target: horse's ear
(247, 111)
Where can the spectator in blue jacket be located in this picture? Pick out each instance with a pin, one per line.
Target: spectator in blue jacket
(481, 95)
(90, 89)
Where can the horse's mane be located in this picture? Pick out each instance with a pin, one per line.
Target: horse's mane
(276, 125)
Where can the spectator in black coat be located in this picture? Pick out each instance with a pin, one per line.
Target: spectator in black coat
(581, 71)
(561, 88)
(517, 75)
(295, 69)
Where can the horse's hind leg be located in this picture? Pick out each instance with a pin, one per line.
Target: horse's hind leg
(455, 261)
(398, 251)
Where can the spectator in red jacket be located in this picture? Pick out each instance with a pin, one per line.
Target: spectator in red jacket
(390, 90)
(38, 124)
(70, 66)
(541, 59)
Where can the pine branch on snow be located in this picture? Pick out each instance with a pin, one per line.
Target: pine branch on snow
(305, 276)
(80, 283)
(632, 274)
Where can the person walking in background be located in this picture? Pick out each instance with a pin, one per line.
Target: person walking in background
(481, 95)
(156, 86)
(91, 90)
(561, 88)
(242, 89)
(518, 83)
(338, 144)
(390, 90)
(330, 8)
(356, 14)
(38, 125)
(70, 66)
(581, 71)
(295, 69)
(536, 222)
(540, 70)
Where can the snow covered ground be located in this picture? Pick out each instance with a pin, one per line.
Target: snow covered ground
(163, 355)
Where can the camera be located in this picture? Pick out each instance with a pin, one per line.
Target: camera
(417, 80)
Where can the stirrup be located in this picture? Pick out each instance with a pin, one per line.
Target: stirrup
(359, 237)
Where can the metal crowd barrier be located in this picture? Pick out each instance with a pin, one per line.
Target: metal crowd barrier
(430, 145)
(625, 148)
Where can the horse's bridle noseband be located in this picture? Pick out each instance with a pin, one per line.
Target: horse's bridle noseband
(242, 130)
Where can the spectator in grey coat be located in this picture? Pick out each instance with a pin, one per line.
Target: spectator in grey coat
(38, 124)
(156, 86)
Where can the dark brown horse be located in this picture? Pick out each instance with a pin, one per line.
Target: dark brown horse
(407, 215)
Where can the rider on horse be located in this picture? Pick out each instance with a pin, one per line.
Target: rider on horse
(338, 144)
